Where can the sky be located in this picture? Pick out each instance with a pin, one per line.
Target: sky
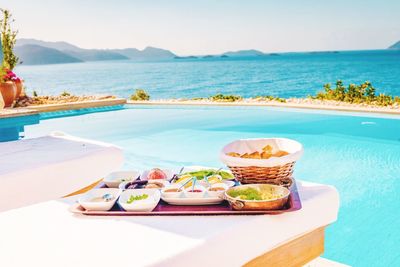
(201, 27)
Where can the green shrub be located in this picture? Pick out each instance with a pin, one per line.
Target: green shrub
(225, 98)
(34, 93)
(384, 100)
(65, 93)
(140, 95)
(270, 98)
(357, 94)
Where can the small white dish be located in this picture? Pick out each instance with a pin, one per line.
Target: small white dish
(190, 194)
(162, 183)
(218, 193)
(171, 194)
(87, 201)
(184, 201)
(169, 173)
(144, 205)
(229, 183)
(115, 178)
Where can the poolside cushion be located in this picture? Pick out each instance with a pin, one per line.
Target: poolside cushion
(47, 168)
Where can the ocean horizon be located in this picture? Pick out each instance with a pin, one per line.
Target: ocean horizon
(284, 75)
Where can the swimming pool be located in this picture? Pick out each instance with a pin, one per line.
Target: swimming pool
(359, 154)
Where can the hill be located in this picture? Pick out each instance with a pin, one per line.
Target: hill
(74, 51)
(55, 45)
(36, 55)
(33, 51)
(95, 54)
(395, 46)
(147, 54)
(244, 53)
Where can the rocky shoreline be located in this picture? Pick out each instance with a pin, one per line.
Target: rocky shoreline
(61, 99)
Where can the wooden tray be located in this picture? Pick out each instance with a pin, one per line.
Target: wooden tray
(164, 208)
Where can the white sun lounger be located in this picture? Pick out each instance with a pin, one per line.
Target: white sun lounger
(47, 168)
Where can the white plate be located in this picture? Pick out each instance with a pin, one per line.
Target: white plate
(168, 172)
(85, 202)
(145, 205)
(193, 201)
(115, 178)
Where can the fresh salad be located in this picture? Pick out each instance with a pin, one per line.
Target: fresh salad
(210, 172)
(133, 198)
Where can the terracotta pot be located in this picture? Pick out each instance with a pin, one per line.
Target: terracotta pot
(8, 91)
(1, 102)
(19, 86)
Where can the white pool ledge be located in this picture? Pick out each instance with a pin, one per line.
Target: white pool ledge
(47, 234)
(46, 168)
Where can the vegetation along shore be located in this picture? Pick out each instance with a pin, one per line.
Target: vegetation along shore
(353, 97)
(362, 97)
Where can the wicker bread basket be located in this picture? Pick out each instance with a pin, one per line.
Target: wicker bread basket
(275, 170)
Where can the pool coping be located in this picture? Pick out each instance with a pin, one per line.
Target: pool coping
(16, 112)
(32, 110)
(36, 109)
(269, 104)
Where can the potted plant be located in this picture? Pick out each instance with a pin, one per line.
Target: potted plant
(8, 41)
(11, 76)
(8, 88)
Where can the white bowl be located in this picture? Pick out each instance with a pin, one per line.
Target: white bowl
(168, 172)
(123, 185)
(145, 205)
(229, 183)
(115, 178)
(195, 194)
(165, 183)
(87, 204)
(171, 194)
(217, 193)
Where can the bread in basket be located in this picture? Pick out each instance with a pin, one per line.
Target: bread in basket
(273, 170)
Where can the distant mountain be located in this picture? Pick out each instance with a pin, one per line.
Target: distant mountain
(188, 57)
(95, 54)
(147, 54)
(37, 55)
(244, 53)
(55, 45)
(395, 46)
(74, 51)
(33, 51)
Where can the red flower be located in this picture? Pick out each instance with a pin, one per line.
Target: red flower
(11, 76)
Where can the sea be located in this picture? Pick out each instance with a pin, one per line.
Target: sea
(283, 75)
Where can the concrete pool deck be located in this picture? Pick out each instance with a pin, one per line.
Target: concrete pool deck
(35, 109)
(323, 106)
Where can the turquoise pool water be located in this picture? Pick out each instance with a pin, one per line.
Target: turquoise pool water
(360, 155)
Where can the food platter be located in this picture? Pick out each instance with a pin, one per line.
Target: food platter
(242, 190)
(223, 208)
